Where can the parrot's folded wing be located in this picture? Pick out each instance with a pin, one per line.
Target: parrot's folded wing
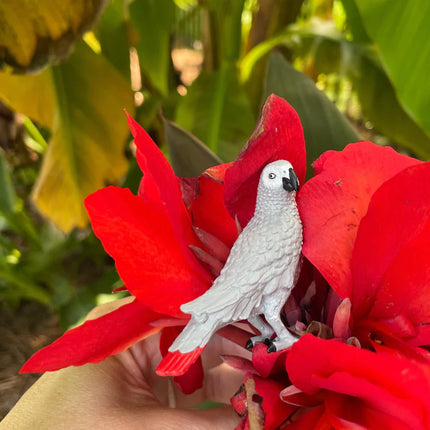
(177, 363)
(213, 301)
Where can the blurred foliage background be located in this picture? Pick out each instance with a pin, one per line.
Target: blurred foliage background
(194, 73)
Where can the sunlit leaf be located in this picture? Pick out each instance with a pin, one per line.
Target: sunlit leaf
(323, 125)
(87, 96)
(329, 52)
(354, 22)
(401, 32)
(217, 111)
(189, 156)
(41, 106)
(249, 61)
(380, 105)
(34, 33)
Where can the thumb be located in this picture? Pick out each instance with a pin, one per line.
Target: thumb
(161, 418)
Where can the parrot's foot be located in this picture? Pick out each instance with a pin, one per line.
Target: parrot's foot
(280, 344)
(257, 339)
(271, 347)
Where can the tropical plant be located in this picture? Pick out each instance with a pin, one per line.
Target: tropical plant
(70, 68)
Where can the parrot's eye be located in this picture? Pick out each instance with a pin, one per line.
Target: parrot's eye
(272, 176)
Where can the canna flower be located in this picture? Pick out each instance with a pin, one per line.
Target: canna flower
(366, 217)
(170, 240)
(367, 228)
(339, 386)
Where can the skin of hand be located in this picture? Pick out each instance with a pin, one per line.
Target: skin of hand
(124, 392)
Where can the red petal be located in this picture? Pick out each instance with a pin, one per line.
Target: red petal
(235, 334)
(215, 246)
(244, 423)
(309, 420)
(390, 383)
(239, 403)
(217, 173)
(161, 190)
(268, 363)
(341, 320)
(405, 288)
(192, 380)
(276, 410)
(333, 203)
(278, 135)
(373, 420)
(407, 410)
(189, 187)
(141, 241)
(295, 397)
(213, 264)
(96, 339)
(422, 337)
(209, 213)
(391, 260)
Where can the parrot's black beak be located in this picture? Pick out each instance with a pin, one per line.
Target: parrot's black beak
(291, 183)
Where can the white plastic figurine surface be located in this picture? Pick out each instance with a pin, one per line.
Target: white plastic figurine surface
(260, 272)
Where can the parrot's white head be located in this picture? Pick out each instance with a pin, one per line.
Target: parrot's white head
(279, 175)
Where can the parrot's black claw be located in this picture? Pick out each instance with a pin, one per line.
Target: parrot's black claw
(267, 341)
(271, 348)
(249, 344)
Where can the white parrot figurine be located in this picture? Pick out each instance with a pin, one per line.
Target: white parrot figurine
(258, 276)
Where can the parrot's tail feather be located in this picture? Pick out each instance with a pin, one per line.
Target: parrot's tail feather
(176, 363)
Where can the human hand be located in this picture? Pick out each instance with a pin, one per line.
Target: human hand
(124, 392)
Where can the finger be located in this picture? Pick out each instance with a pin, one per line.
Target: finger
(150, 418)
(105, 308)
(139, 363)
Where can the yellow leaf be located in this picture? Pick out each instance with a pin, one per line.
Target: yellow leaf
(33, 95)
(89, 130)
(35, 32)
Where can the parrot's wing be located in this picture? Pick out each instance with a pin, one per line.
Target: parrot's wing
(253, 265)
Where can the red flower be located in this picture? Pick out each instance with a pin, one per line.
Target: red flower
(344, 387)
(366, 218)
(152, 236)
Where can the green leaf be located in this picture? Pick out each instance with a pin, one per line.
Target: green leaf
(259, 51)
(154, 22)
(380, 106)
(354, 22)
(217, 111)
(330, 52)
(225, 28)
(35, 33)
(7, 192)
(323, 125)
(14, 286)
(86, 97)
(112, 33)
(189, 156)
(400, 30)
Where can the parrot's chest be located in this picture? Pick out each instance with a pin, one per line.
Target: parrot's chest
(283, 235)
